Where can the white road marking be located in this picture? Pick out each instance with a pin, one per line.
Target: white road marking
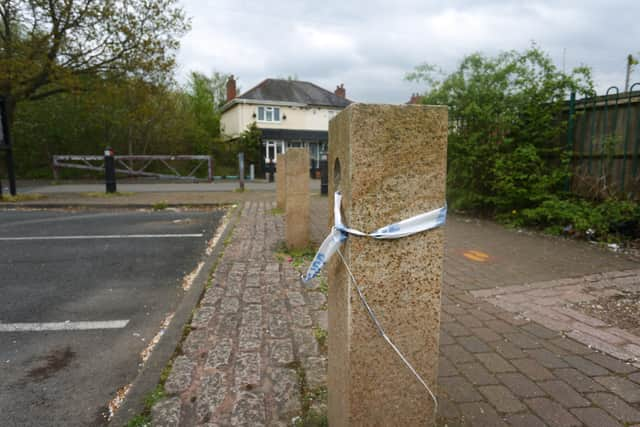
(102, 236)
(62, 326)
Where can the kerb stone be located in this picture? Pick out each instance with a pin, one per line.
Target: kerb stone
(389, 162)
(297, 220)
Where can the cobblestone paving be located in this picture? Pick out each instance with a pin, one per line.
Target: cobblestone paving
(250, 338)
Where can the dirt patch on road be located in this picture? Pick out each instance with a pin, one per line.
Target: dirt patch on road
(621, 310)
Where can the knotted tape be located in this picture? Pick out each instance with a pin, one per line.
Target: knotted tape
(340, 232)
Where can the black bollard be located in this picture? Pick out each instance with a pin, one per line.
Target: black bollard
(109, 170)
(324, 175)
(272, 170)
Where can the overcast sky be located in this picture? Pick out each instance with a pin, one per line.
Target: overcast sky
(370, 45)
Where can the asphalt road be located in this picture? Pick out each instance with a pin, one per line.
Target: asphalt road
(67, 377)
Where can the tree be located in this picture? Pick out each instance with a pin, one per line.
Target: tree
(206, 95)
(631, 63)
(55, 46)
(251, 144)
(505, 123)
(132, 116)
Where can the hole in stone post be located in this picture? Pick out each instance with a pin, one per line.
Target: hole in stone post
(336, 183)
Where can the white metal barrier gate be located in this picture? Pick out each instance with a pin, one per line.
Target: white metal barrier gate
(96, 163)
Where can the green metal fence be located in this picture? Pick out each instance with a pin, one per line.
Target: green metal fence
(604, 134)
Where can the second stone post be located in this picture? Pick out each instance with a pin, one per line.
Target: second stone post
(281, 182)
(297, 198)
(389, 163)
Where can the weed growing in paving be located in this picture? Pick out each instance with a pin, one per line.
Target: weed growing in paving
(310, 417)
(297, 257)
(227, 240)
(144, 419)
(276, 211)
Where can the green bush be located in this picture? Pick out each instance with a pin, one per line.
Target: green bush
(507, 153)
(505, 148)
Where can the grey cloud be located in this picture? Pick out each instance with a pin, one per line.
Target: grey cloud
(369, 46)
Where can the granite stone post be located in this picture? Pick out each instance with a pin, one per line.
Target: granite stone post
(389, 162)
(281, 182)
(297, 198)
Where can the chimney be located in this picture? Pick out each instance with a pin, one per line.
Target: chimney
(341, 91)
(415, 98)
(231, 88)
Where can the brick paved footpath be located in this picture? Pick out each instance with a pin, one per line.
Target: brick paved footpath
(497, 367)
(251, 337)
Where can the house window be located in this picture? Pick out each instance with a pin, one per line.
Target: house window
(268, 114)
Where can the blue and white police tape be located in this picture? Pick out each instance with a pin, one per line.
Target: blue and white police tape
(340, 232)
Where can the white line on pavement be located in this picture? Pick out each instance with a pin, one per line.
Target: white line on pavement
(105, 236)
(62, 326)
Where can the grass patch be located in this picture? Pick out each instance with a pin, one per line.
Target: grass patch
(22, 197)
(160, 206)
(101, 195)
(276, 211)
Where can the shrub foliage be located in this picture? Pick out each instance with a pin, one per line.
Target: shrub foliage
(507, 157)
